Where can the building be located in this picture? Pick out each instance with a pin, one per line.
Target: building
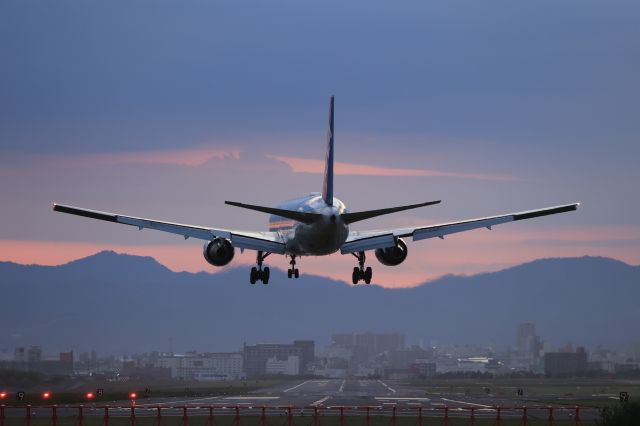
(66, 357)
(34, 354)
(255, 357)
(207, 366)
(528, 347)
(565, 363)
(289, 366)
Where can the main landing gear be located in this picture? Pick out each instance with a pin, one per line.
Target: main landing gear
(259, 274)
(293, 271)
(360, 272)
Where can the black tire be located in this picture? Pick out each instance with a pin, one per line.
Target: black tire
(296, 273)
(368, 273)
(253, 276)
(355, 277)
(265, 275)
(289, 273)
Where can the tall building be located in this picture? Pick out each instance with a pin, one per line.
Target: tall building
(528, 346)
(308, 348)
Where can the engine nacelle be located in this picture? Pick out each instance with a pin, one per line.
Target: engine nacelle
(218, 252)
(393, 256)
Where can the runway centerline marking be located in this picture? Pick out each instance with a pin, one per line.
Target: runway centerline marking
(342, 386)
(184, 400)
(244, 398)
(398, 398)
(386, 386)
(467, 403)
(297, 386)
(320, 401)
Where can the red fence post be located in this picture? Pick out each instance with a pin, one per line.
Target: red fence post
(263, 417)
(210, 416)
(550, 420)
(577, 416)
(393, 416)
(525, 418)
(367, 421)
(498, 416)
(315, 415)
(420, 416)
(446, 416)
(158, 415)
(106, 416)
(289, 417)
(133, 415)
(80, 416)
(185, 416)
(54, 416)
(472, 419)
(341, 416)
(236, 421)
(28, 417)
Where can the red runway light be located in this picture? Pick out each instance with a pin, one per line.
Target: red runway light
(89, 395)
(46, 395)
(133, 395)
(3, 395)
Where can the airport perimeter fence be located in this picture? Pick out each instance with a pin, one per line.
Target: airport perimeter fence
(247, 415)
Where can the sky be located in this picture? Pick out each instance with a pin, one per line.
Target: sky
(166, 109)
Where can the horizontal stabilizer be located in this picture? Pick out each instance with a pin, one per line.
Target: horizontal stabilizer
(303, 217)
(357, 216)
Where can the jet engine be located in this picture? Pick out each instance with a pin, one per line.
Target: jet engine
(218, 252)
(393, 256)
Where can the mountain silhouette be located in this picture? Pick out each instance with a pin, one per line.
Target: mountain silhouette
(122, 304)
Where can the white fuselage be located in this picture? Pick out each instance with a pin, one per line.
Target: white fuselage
(323, 237)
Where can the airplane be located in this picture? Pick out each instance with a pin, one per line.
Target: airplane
(314, 225)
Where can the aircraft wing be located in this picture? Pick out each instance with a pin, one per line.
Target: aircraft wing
(370, 240)
(264, 241)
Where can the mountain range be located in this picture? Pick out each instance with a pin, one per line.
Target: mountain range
(122, 304)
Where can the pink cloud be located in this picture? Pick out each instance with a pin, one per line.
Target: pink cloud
(306, 165)
(462, 254)
(186, 157)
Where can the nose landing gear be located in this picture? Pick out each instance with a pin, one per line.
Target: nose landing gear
(293, 271)
(360, 272)
(258, 273)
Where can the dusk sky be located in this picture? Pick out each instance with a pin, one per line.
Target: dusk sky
(165, 109)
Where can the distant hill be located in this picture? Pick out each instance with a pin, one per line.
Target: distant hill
(123, 304)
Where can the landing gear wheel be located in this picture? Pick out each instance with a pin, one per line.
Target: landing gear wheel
(289, 273)
(293, 271)
(360, 272)
(257, 273)
(355, 277)
(296, 273)
(367, 275)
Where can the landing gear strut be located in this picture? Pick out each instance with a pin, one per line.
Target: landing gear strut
(293, 271)
(360, 272)
(259, 274)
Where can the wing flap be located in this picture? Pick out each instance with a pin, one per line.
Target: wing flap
(260, 244)
(368, 243)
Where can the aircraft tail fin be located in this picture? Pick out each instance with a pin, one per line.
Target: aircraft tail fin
(327, 188)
